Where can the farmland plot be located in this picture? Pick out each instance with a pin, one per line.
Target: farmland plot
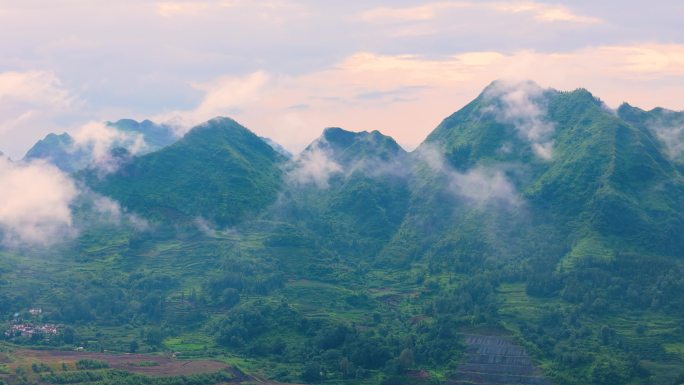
(496, 360)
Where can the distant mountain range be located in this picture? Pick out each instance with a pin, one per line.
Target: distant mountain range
(70, 156)
(605, 180)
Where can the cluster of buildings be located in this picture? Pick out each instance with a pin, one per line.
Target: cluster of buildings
(28, 330)
(19, 328)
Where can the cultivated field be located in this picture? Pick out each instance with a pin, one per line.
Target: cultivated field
(136, 363)
(496, 360)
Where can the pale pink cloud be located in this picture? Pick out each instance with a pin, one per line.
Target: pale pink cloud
(29, 101)
(539, 11)
(405, 96)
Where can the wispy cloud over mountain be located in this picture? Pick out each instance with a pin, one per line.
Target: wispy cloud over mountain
(480, 185)
(522, 106)
(313, 166)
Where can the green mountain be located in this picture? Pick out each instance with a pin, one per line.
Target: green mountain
(351, 189)
(156, 136)
(218, 171)
(534, 237)
(665, 125)
(351, 148)
(59, 150)
(67, 155)
(607, 182)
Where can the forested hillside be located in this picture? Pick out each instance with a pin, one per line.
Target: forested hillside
(533, 225)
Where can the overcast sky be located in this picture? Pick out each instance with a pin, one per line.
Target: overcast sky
(287, 69)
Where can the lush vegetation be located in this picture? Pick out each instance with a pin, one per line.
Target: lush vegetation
(117, 377)
(236, 172)
(377, 271)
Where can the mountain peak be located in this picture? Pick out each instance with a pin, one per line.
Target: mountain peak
(60, 150)
(339, 137)
(224, 131)
(219, 170)
(156, 135)
(500, 84)
(362, 143)
(220, 123)
(582, 95)
(221, 120)
(124, 122)
(348, 148)
(503, 91)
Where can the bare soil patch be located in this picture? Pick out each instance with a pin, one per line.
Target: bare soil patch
(135, 363)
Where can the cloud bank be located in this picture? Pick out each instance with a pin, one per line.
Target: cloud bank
(36, 199)
(39, 202)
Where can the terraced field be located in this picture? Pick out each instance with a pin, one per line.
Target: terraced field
(496, 360)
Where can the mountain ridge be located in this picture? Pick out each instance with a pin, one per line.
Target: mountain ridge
(531, 213)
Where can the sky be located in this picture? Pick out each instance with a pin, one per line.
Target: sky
(286, 69)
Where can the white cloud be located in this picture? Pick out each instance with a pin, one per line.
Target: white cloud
(650, 60)
(544, 12)
(136, 58)
(673, 137)
(436, 87)
(522, 106)
(417, 13)
(34, 89)
(432, 88)
(539, 11)
(97, 50)
(480, 185)
(107, 207)
(670, 130)
(205, 227)
(313, 166)
(484, 184)
(98, 139)
(107, 210)
(36, 199)
(29, 101)
(275, 11)
(416, 69)
(38, 204)
(222, 97)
